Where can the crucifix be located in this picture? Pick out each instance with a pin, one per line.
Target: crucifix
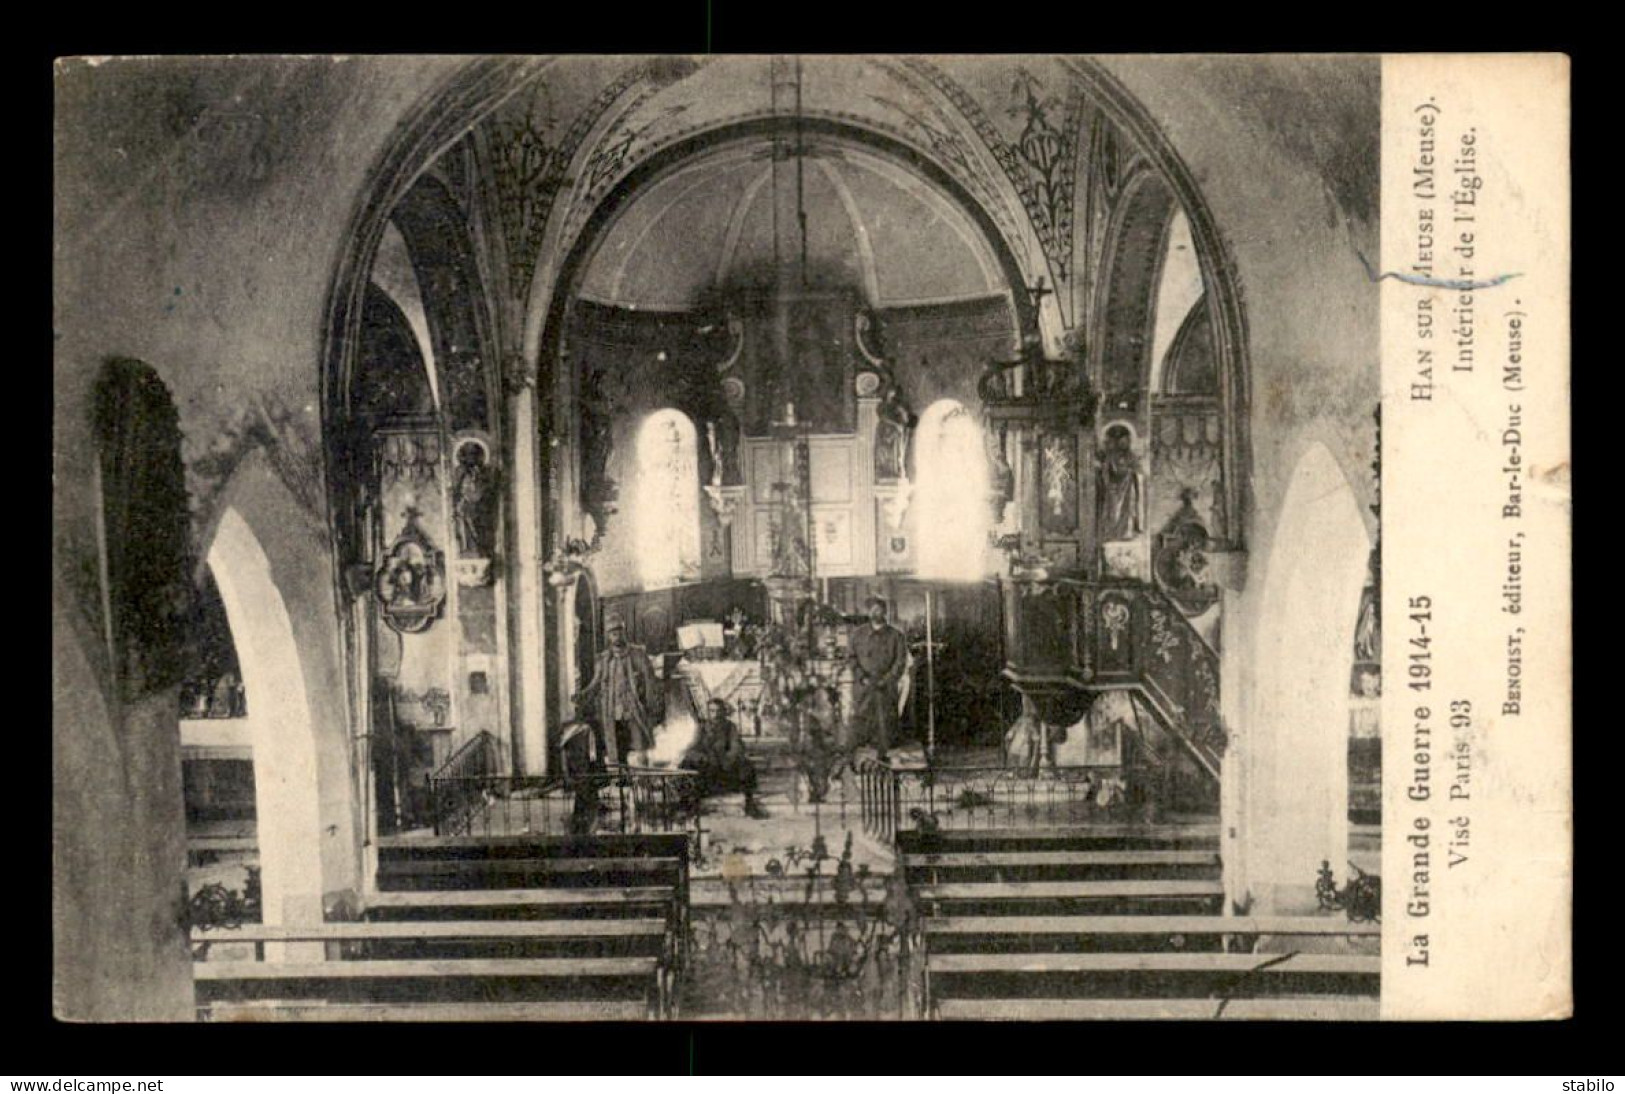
(1038, 292)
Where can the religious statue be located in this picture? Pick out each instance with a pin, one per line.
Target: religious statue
(1120, 488)
(722, 444)
(715, 448)
(473, 496)
(1001, 476)
(1368, 631)
(895, 422)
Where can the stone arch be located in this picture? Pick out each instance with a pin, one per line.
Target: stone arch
(1219, 277)
(1127, 290)
(439, 239)
(1295, 749)
(286, 785)
(546, 309)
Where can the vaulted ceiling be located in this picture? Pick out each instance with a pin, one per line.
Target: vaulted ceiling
(729, 219)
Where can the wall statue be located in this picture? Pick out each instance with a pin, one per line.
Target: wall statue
(474, 500)
(894, 425)
(1121, 491)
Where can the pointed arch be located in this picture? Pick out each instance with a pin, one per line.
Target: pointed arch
(286, 784)
(1296, 815)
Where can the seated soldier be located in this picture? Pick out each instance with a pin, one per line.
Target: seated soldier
(718, 755)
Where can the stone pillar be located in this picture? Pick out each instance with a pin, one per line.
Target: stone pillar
(527, 590)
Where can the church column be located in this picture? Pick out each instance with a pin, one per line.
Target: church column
(527, 587)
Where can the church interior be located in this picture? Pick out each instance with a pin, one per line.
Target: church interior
(743, 537)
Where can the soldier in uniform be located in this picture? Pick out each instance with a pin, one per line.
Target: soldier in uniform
(624, 697)
(879, 655)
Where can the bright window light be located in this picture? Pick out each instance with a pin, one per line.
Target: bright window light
(668, 514)
(951, 504)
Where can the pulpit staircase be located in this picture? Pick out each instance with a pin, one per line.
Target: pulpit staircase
(520, 928)
(1118, 922)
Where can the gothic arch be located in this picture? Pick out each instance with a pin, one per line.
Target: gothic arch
(1219, 276)
(439, 238)
(1296, 746)
(286, 782)
(1127, 289)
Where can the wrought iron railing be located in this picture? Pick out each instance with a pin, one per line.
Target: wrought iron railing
(456, 786)
(1119, 635)
(842, 944)
(941, 799)
(627, 801)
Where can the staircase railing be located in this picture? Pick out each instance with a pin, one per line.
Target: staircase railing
(1167, 661)
(1123, 635)
(455, 796)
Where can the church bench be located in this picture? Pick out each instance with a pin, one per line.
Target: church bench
(1157, 925)
(560, 865)
(1072, 890)
(1148, 975)
(473, 967)
(586, 1010)
(1286, 1008)
(421, 939)
(468, 873)
(1064, 858)
(1072, 865)
(1187, 835)
(493, 846)
(438, 900)
(433, 929)
(642, 982)
(1311, 963)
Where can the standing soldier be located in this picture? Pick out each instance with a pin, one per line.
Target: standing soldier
(625, 697)
(879, 655)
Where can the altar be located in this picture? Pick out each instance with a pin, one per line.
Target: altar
(737, 683)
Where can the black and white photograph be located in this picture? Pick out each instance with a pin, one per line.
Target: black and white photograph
(731, 537)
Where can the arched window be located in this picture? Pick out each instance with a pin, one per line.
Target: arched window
(668, 513)
(951, 495)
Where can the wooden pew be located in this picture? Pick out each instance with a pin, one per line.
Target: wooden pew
(298, 986)
(1299, 1008)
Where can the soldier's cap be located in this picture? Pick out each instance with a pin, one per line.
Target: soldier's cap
(614, 622)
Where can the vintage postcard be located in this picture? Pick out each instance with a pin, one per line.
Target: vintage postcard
(812, 537)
